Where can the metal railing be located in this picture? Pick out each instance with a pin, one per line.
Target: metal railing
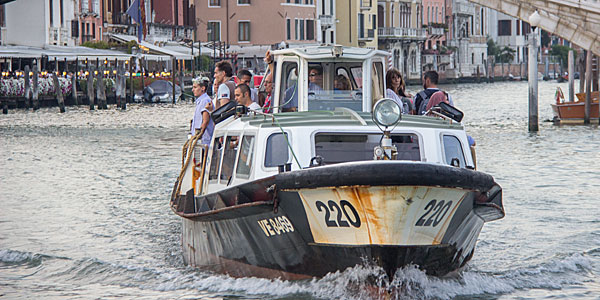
(326, 20)
(402, 33)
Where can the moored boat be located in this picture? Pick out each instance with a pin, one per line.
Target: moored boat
(566, 112)
(339, 181)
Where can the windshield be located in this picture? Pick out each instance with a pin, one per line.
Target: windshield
(332, 85)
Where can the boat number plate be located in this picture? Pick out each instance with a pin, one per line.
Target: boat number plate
(276, 226)
(435, 211)
(339, 215)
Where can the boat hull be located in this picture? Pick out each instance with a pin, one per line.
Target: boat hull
(309, 226)
(574, 112)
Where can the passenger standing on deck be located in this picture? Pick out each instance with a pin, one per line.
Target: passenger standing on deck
(242, 96)
(430, 81)
(268, 83)
(246, 77)
(202, 124)
(395, 91)
(223, 75)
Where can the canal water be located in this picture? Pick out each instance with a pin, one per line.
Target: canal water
(84, 209)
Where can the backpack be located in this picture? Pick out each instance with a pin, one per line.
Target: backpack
(422, 105)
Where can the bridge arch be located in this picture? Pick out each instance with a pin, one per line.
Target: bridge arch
(572, 20)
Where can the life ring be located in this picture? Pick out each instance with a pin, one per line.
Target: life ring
(559, 95)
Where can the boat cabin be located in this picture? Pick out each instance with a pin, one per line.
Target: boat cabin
(326, 77)
(316, 123)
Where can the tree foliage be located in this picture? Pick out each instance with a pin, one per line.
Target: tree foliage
(562, 52)
(502, 54)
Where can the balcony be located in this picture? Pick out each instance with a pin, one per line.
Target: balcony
(435, 32)
(366, 4)
(369, 37)
(326, 21)
(402, 33)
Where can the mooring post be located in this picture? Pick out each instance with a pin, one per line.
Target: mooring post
(74, 81)
(533, 83)
(173, 68)
(36, 88)
(59, 94)
(101, 89)
(588, 87)
(571, 62)
(131, 62)
(90, 87)
(28, 91)
(143, 71)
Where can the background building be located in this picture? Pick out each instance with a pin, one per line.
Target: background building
(401, 32)
(356, 23)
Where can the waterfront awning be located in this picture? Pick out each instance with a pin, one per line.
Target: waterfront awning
(71, 53)
(151, 48)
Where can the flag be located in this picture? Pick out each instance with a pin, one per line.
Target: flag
(143, 14)
(136, 15)
(134, 11)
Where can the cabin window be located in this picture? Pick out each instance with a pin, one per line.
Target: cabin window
(244, 164)
(330, 86)
(338, 148)
(289, 97)
(277, 152)
(215, 160)
(231, 147)
(453, 151)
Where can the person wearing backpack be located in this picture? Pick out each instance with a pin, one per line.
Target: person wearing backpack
(430, 81)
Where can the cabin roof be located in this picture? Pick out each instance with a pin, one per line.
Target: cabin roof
(327, 52)
(341, 117)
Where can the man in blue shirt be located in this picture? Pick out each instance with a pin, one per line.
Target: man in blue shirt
(202, 123)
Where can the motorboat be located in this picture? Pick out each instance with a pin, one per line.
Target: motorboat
(339, 180)
(573, 112)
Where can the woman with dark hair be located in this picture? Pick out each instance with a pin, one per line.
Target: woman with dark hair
(395, 91)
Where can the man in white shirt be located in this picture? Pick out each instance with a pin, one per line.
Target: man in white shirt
(223, 75)
(242, 96)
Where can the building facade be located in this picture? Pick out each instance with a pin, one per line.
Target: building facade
(468, 37)
(39, 23)
(401, 32)
(326, 21)
(357, 23)
(245, 22)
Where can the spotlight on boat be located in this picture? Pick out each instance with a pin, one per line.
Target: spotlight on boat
(387, 113)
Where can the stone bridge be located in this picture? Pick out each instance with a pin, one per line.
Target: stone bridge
(575, 21)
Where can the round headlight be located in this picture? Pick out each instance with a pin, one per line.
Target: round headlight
(387, 112)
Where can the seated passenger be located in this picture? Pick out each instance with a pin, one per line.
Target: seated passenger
(315, 78)
(341, 83)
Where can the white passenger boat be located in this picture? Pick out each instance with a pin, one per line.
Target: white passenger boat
(343, 180)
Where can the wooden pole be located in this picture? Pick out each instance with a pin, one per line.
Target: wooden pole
(28, 90)
(588, 87)
(173, 68)
(533, 83)
(131, 61)
(101, 92)
(142, 69)
(582, 72)
(59, 94)
(90, 87)
(571, 62)
(36, 90)
(74, 83)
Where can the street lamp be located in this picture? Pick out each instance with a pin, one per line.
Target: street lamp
(211, 38)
